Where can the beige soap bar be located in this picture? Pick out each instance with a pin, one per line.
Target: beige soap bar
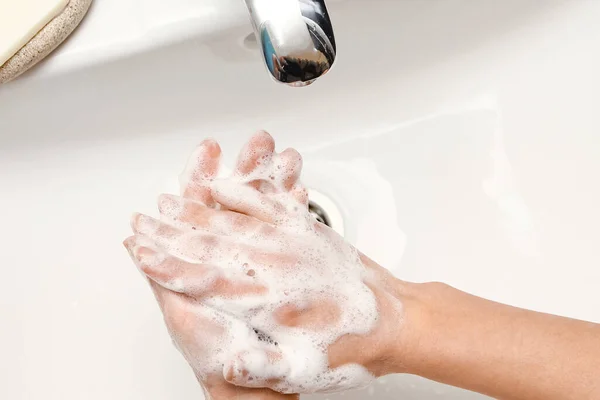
(21, 20)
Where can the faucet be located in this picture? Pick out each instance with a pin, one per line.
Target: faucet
(295, 37)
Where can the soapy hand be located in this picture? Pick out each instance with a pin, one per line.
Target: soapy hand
(203, 335)
(254, 292)
(322, 314)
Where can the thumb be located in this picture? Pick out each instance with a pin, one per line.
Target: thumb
(258, 368)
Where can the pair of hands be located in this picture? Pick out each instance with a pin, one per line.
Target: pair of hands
(257, 294)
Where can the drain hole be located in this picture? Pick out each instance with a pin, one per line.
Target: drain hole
(318, 213)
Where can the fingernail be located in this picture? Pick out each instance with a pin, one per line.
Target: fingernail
(144, 225)
(235, 372)
(145, 255)
(129, 244)
(210, 147)
(263, 139)
(132, 245)
(263, 133)
(228, 373)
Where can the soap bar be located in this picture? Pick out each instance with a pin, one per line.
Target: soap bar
(21, 20)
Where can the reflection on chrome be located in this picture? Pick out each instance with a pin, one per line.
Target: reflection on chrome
(296, 38)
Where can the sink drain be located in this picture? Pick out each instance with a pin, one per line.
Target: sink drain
(319, 213)
(325, 210)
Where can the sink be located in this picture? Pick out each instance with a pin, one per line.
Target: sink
(457, 139)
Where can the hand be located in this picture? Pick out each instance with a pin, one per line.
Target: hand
(258, 246)
(325, 315)
(204, 335)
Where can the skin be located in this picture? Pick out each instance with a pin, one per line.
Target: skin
(431, 329)
(183, 316)
(501, 351)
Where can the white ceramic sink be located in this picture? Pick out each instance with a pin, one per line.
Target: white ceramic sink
(459, 139)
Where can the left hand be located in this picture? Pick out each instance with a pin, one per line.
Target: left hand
(203, 335)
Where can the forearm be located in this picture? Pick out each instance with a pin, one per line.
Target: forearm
(501, 351)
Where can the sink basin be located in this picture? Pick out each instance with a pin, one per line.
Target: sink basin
(457, 139)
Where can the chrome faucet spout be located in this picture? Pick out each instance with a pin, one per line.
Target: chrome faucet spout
(296, 38)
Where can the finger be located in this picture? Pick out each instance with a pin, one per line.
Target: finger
(246, 200)
(204, 162)
(195, 280)
(198, 246)
(169, 301)
(258, 368)
(281, 175)
(186, 319)
(197, 216)
(169, 272)
(182, 211)
(288, 167)
(257, 152)
(300, 193)
(201, 169)
(161, 233)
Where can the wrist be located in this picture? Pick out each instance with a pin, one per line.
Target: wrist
(441, 331)
(417, 334)
(501, 351)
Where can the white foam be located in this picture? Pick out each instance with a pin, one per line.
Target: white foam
(307, 265)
